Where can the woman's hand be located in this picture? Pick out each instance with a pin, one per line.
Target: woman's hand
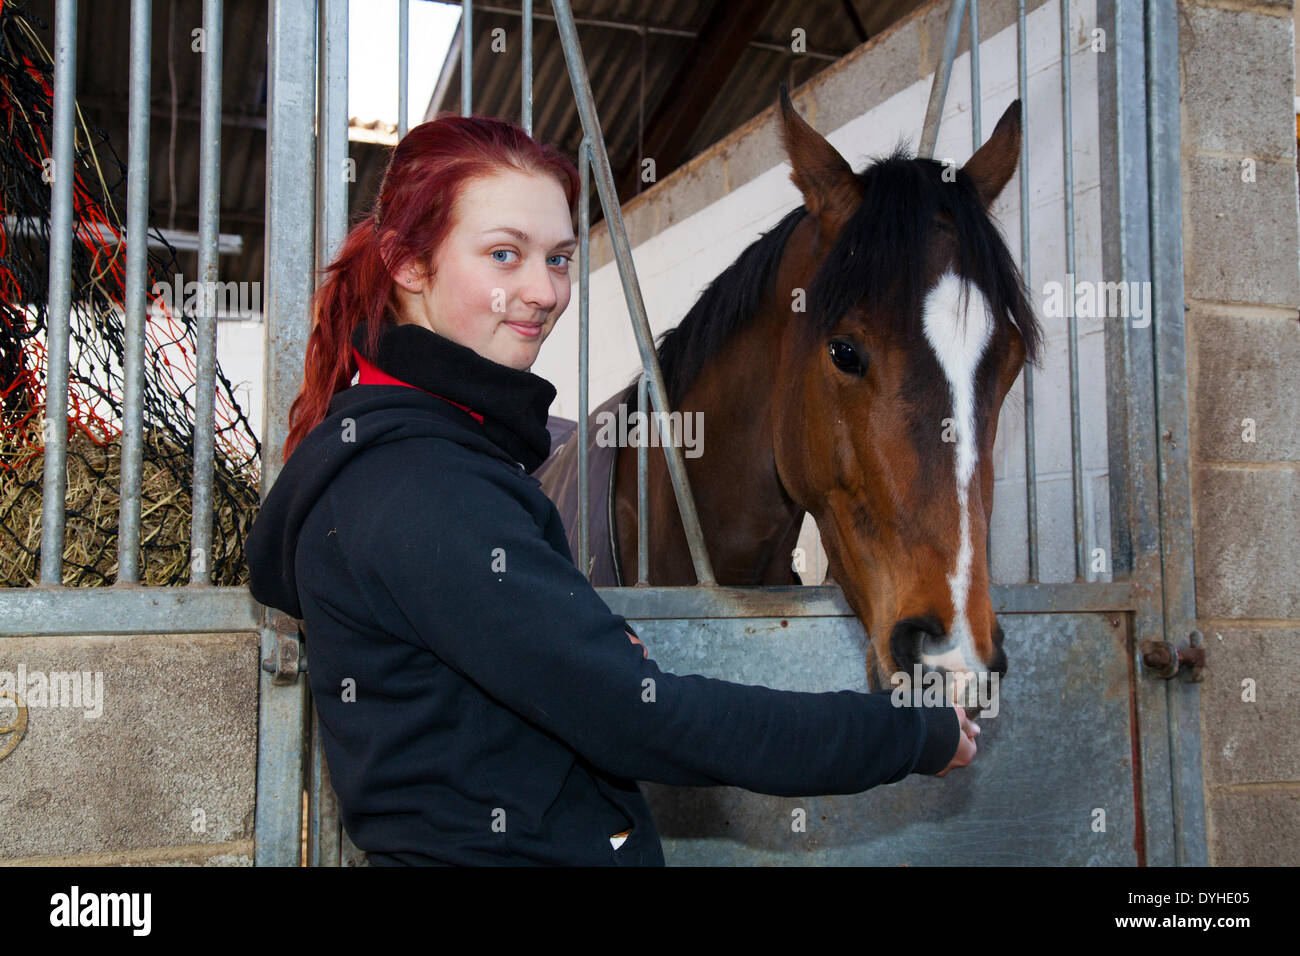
(966, 748)
(633, 638)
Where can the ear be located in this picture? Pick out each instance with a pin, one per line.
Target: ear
(408, 275)
(994, 163)
(830, 189)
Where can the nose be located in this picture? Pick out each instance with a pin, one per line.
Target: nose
(913, 637)
(539, 292)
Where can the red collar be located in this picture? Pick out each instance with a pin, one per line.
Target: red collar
(373, 375)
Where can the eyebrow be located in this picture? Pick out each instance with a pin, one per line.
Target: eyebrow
(524, 237)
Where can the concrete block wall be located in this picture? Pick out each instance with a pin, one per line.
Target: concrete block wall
(1241, 270)
(153, 761)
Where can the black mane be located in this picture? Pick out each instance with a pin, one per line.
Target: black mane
(878, 260)
(729, 300)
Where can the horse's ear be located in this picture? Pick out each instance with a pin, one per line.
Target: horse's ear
(994, 163)
(830, 188)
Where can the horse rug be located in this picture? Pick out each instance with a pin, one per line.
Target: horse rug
(559, 479)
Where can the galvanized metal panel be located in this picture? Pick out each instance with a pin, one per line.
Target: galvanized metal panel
(324, 830)
(127, 609)
(1058, 752)
(1176, 546)
(290, 248)
(1131, 399)
(827, 600)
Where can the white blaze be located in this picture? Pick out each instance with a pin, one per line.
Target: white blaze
(959, 332)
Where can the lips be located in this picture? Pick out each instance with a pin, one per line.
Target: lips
(529, 330)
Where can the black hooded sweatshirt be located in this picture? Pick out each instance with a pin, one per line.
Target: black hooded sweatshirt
(478, 701)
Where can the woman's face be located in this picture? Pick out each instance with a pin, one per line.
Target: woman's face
(501, 277)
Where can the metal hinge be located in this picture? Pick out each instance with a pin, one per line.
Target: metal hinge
(1164, 660)
(287, 661)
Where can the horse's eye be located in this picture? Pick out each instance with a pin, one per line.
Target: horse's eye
(846, 358)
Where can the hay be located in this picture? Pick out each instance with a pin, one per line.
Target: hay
(91, 530)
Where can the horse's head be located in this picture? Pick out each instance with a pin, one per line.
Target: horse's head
(890, 385)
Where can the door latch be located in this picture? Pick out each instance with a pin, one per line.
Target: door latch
(286, 661)
(1164, 660)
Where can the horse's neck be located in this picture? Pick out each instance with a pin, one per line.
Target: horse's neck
(748, 520)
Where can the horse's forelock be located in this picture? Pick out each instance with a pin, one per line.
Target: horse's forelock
(879, 260)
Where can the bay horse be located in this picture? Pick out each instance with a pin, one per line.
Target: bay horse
(851, 364)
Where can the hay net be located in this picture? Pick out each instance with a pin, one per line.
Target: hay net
(96, 383)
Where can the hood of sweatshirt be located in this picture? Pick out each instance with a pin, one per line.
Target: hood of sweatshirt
(418, 385)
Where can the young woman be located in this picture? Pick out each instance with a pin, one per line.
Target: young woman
(478, 701)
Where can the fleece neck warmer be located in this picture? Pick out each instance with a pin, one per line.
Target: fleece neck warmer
(510, 405)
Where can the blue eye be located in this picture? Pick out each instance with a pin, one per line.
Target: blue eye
(503, 251)
(564, 260)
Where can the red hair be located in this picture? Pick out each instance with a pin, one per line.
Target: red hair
(426, 173)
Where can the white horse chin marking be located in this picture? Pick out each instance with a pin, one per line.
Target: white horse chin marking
(959, 332)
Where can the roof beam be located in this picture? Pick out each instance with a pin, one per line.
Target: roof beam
(702, 72)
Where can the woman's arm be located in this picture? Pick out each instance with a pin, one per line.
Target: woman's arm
(465, 570)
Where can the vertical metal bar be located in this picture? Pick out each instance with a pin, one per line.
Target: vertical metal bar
(640, 112)
(642, 495)
(137, 261)
(467, 58)
(527, 45)
(335, 170)
(584, 368)
(324, 830)
(1031, 466)
(54, 487)
(1130, 413)
(1164, 155)
(1076, 442)
(631, 287)
(939, 85)
(403, 67)
(209, 228)
(1126, 258)
(976, 134)
(290, 208)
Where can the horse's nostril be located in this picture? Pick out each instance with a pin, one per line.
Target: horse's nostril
(912, 637)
